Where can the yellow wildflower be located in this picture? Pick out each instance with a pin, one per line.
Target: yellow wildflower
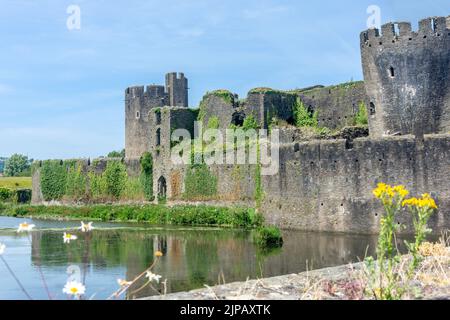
(158, 254)
(380, 190)
(401, 190)
(410, 202)
(425, 202)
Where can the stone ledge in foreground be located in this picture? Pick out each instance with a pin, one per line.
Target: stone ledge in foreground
(304, 286)
(287, 287)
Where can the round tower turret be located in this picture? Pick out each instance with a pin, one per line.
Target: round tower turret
(407, 77)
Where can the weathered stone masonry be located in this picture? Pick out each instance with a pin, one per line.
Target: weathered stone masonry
(322, 185)
(407, 77)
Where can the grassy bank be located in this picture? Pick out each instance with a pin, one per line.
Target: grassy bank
(154, 214)
(15, 182)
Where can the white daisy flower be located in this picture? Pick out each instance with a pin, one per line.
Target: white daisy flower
(2, 248)
(25, 227)
(124, 283)
(86, 227)
(74, 288)
(69, 237)
(152, 277)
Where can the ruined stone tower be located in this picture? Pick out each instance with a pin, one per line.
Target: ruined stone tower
(140, 116)
(177, 89)
(407, 77)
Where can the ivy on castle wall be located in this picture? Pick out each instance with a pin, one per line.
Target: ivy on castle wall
(199, 182)
(303, 117)
(53, 179)
(75, 181)
(116, 178)
(259, 193)
(361, 118)
(146, 177)
(213, 123)
(225, 95)
(71, 180)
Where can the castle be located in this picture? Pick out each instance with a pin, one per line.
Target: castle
(322, 184)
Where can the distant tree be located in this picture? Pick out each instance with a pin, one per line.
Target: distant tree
(17, 165)
(117, 154)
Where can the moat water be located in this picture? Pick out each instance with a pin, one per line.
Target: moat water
(193, 257)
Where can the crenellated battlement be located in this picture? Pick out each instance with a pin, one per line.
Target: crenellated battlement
(155, 91)
(134, 92)
(433, 28)
(407, 77)
(150, 91)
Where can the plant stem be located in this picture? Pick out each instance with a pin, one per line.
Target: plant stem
(15, 278)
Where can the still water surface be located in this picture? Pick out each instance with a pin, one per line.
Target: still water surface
(193, 257)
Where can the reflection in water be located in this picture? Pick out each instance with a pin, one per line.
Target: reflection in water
(192, 257)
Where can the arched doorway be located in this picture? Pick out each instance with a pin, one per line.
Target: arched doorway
(162, 188)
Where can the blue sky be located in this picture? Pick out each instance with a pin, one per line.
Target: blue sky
(61, 91)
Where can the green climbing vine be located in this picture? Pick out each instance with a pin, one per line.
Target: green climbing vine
(259, 194)
(303, 117)
(199, 182)
(53, 179)
(116, 178)
(213, 123)
(146, 177)
(361, 116)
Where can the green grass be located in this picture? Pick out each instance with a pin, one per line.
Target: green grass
(154, 214)
(15, 183)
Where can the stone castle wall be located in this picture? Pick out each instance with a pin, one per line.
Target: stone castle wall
(325, 186)
(407, 77)
(322, 185)
(336, 105)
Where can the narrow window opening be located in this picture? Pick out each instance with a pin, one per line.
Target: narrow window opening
(372, 109)
(392, 72)
(138, 115)
(348, 144)
(396, 29)
(158, 137)
(158, 118)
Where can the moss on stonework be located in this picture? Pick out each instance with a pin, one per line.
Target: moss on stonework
(265, 90)
(225, 95)
(342, 87)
